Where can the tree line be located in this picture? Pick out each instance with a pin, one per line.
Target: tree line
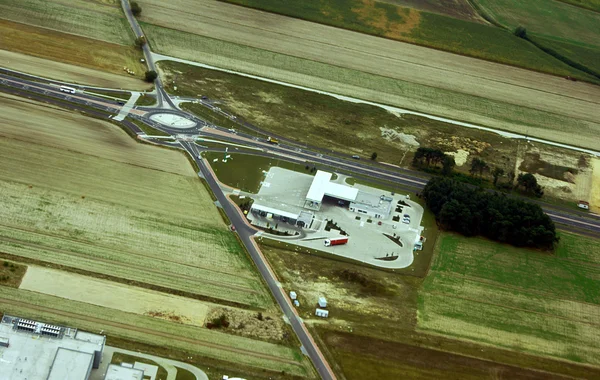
(430, 159)
(472, 211)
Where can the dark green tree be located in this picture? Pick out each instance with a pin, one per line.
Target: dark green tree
(136, 10)
(520, 32)
(478, 166)
(150, 76)
(528, 183)
(448, 165)
(374, 156)
(497, 173)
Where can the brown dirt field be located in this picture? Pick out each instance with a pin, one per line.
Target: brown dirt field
(378, 17)
(11, 273)
(69, 57)
(115, 296)
(455, 8)
(377, 56)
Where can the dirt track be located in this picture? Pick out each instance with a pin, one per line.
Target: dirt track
(68, 73)
(376, 55)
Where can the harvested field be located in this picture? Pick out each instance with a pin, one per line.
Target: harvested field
(11, 273)
(90, 19)
(406, 24)
(89, 198)
(522, 300)
(129, 299)
(154, 331)
(39, 48)
(537, 109)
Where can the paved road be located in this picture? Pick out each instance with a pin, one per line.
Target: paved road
(245, 233)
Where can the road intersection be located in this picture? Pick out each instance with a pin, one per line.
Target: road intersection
(190, 128)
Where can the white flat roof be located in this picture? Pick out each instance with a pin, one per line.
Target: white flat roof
(339, 191)
(274, 211)
(322, 185)
(71, 365)
(318, 186)
(117, 372)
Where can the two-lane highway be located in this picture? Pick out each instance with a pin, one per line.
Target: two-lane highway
(245, 233)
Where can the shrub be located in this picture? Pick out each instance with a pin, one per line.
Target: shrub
(150, 76)
(136, 10)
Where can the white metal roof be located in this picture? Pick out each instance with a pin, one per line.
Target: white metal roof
(322, 185)
(274, 211)
(339, 191)
(318, 186)
(71, 365)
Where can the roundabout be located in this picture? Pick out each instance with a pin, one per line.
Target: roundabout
(172, 120)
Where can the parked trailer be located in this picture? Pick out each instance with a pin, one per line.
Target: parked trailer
(271, 140)
(336, 241)
(70, 90)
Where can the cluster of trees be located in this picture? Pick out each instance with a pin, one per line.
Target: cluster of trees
(430, 158)
(472, 211)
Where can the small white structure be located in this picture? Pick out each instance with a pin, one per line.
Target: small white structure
(296, 303)
(293, 295)
(322, 313)
(322, 302)
(584, 205)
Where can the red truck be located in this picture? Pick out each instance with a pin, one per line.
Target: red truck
(336, 241)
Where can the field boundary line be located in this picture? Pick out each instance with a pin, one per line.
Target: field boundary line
(146, 330)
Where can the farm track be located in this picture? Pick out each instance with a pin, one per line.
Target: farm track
(124, 264)
(32, 231)
(145, 331)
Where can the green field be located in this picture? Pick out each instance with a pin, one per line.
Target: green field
(522, 300)
(572, 32)
(423, 28)
(589, 4)
(375, 321)
(90, 19)
(550, 19)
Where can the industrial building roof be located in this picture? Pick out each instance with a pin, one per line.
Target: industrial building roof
(71, 365)
(30, 356)
(322, 185)
(117, 372)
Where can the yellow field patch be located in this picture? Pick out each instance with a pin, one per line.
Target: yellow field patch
(113, 295)
(595, 193)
